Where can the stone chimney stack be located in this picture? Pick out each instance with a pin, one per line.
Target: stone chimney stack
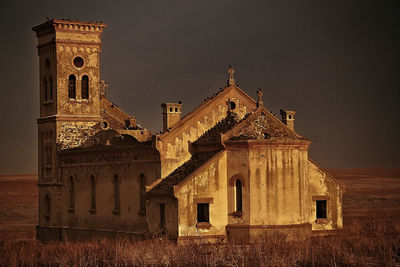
(288, 118)
(171, 114)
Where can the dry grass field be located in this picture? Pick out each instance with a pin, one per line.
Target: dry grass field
(371, 235)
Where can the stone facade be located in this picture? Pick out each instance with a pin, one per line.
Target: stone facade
(228, 170)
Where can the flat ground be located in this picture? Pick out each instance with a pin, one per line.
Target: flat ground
(368, 192)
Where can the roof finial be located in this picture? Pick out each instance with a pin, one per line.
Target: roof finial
(231, 80)
(260, 102)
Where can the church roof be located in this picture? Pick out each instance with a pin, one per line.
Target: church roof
(166, 185)
(260, 124)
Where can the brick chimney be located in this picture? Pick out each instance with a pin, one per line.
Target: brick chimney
(171, 114)
(288, 118)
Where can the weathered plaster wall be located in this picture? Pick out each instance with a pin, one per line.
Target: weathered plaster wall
(209, 183)
(275, 185)
(322, 185)
(103, 165)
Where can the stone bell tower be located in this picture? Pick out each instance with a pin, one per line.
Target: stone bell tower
(69, 74)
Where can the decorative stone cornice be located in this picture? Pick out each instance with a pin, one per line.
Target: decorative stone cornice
(69, 26)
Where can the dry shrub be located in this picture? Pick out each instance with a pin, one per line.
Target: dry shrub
(363, 242)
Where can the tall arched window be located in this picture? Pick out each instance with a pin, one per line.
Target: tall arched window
(71, 193)
(116, 192)
(93, 191)
(47, 206)
(142, 192)
(85, 87)
(238, 186)
(72, 86)
(46, 97)
(51, 87)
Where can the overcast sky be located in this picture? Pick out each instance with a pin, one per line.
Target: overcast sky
(336, 63)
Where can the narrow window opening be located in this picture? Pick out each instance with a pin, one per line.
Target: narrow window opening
(290, 116)
(176, 109)
(142, 193)
(232, 105)
(72, 87)
(116, 193)
(203, 212)
(71, 193)
(85, 87)
(93, 192)
(321, 209)
(239, 196)
(45, 89)
(51, 87)
(47, 63)
(162, 216)
(170, 109)
(47, 206)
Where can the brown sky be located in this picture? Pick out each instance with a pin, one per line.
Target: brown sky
(335, 62)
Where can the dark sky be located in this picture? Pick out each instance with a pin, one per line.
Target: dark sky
(336, 63)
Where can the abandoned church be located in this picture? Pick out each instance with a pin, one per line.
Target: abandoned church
(227, 170)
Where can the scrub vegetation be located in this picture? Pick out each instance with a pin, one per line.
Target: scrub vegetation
(371, 235)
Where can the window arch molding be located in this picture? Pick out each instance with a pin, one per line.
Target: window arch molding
(232, 180)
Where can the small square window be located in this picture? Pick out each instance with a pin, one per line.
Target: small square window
(321, 209)
(203, 210)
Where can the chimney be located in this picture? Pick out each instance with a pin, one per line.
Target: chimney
(171, 114)
(288, 118)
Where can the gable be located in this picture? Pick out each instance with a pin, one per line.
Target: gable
(260, 125)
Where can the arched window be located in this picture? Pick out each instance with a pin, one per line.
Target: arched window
(46, 97)
(85, 87)
(116, 192)
(51, 87)
(71, 193)
(238, 186)
(47, 206)
(142, 192)
(72, 86)
(93, 191)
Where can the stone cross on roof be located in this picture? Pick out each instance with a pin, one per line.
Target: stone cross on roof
(231, 80)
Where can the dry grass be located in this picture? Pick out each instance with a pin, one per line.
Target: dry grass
(363, 243)
(365, 240)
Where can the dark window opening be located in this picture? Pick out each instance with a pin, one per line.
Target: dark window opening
(162, 216)
(45, 89)
(78, 62)
(104, 125)
(321, 209)
(176, 109)
(170, 109)
(47, 206)
(142, 192)
(203, 212)
(116, 192)
(71, 193)
(239, 195)
(51, 87)
(47, 63)
(72, 86)
(85, 87)
(232, 105)
(93, 192)
(290, 116)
